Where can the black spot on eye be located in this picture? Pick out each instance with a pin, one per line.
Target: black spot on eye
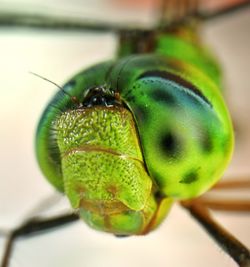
(170, 146)
(207, 144)
(189, 178)
(163, 96)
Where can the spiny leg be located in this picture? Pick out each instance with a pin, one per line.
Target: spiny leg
(199, 210)
(34, 226)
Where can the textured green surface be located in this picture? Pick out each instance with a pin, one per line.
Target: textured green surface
(47, 151)
(108, 128)
(101, 160)
(103, 171)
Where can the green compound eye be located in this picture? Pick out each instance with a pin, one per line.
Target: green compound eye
(146, 131)
(183, 124)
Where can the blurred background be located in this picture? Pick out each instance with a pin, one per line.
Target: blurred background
(57, 55)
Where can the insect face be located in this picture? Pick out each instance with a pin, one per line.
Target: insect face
(152, 134)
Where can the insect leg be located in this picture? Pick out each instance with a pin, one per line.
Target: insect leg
(224, 239)
(233, 184)
(237, 205)
(226, 204)
(34, 226)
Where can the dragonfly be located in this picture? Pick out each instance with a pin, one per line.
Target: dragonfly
(134, 240)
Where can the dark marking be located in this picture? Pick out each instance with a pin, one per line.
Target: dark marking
(159, 196)
(189, 178)
(161, 95)
(177, 79)
(207, 144)
(170, 145)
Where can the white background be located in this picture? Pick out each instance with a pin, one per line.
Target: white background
(179, 242)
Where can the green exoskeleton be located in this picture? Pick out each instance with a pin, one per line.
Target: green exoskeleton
(125, 138)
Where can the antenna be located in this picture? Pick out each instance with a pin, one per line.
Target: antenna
(73, 98)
